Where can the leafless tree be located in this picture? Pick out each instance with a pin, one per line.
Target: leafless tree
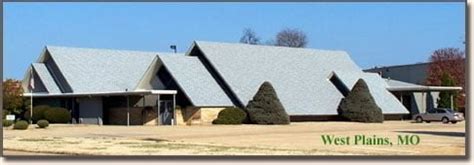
(249, 37)
(291, 38)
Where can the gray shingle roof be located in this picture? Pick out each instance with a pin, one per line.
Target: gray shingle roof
(378, 88)
(46, 78)
(196, 82)
(101, 70)
(299, 76)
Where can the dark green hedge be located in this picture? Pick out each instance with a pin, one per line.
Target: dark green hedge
(21, 125)
(38, 113)
(57, 115)
(52, 114)
(230, 116)
(7, 123)
(42, 123)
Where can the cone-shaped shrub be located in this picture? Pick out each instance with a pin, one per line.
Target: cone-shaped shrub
(360, 106)
(266, 108)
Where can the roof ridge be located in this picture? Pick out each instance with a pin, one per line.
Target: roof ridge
(268, 46)
(105, 49)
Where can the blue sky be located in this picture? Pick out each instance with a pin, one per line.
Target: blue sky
(372, 33)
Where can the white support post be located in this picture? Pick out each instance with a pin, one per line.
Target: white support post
(174, 110)
(423, 103)
(72, 110)
(31, 84)
(401, 97)
(452, 101)
(31, 108)
(158, 122)
(128, 110)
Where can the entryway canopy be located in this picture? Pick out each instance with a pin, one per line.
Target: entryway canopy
(116, 93)
(401, 87)
(112, 93)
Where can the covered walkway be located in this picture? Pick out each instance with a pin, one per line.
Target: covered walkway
(421, 96)
(89, 107)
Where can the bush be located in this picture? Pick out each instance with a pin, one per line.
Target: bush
(38, 113)
(359, 105)
(43, 123)
(4, 113)
(7, 123)
(266, 108)
(22, 125)
(230, 116)
(57, 115)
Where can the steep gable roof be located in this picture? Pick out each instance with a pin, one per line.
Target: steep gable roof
(196, 82)
(299, 76)
(46, 78)
(101, 70)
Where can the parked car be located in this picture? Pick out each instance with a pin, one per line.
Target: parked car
(444, 115)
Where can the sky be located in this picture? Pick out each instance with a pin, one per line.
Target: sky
(374, 34)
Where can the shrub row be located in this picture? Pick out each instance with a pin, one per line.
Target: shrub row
(23, 125)
(264, 108)
(51, 114)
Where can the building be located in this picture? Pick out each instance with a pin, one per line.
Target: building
(407, 83)
(103, 86)
(410, 73)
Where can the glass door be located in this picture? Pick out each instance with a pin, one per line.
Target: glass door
(166, 112)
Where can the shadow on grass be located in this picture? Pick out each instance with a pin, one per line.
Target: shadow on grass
(453, 134)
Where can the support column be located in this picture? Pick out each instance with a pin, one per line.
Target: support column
(158, 122)
(128, 110)
(71, 103)
(401, 97)
(175, 122)
(452, 101)
(423, 105)
(144, 112)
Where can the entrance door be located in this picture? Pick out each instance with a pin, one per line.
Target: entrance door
(166, 112)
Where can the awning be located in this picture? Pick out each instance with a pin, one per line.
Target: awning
(396, 85)
(424, 88)
(112, 93)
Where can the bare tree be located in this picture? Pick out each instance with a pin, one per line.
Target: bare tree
(291, 38)
(249, 37)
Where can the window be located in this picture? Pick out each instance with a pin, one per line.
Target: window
(440, 111)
